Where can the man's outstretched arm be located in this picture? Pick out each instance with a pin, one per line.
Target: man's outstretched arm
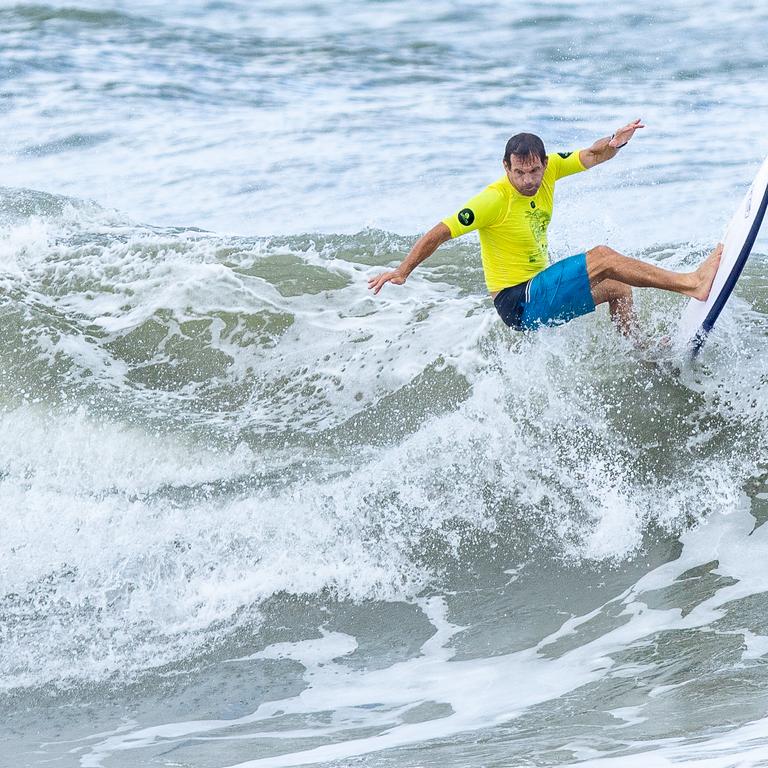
(605, 149)
(422, 249)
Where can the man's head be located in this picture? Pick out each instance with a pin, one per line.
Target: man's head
(525, 161)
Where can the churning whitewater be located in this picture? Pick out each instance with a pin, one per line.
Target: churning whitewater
(253, 515)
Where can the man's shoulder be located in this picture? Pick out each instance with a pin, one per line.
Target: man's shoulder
(554, 161)
(560, 164)
(501, 187)
(561, 155)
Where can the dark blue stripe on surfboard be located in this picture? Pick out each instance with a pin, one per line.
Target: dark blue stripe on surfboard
(730, 283)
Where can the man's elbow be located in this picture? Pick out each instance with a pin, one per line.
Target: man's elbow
(436, 236)
(441, 233)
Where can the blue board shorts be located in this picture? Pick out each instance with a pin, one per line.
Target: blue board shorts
(554, 296)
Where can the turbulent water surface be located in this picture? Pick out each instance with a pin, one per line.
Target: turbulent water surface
(252, 515)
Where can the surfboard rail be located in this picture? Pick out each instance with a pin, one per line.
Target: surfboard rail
(699, 317)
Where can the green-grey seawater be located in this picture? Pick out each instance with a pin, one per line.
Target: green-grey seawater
(251, 514)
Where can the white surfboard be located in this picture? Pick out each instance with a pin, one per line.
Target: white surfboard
(699, 316)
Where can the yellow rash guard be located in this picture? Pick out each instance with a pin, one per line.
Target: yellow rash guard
(512, 227)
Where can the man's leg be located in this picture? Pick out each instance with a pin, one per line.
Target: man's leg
(619, 298)
(603, 264)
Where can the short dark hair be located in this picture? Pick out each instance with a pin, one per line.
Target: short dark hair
(525, 145)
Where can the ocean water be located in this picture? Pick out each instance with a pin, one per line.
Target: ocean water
(251, 515)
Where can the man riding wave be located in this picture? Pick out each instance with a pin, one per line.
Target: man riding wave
(512, 216)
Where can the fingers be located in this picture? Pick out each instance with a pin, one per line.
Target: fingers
(623, 135)
(633, 126)
(376, 283)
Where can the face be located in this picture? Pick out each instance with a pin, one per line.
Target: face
(525, 173)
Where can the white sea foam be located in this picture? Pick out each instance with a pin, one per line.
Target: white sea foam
(534, 447)
(485, 692)
(195, 426)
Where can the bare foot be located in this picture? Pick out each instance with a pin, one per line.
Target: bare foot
(704, 276)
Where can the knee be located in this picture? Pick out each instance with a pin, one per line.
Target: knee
(599, 261)
(602, 252)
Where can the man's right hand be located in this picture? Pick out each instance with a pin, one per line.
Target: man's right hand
(425, 246)
(375, 283)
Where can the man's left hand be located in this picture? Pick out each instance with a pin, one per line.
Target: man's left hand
(623, 135)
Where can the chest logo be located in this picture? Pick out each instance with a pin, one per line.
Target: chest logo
(538, 221)
(466, 216)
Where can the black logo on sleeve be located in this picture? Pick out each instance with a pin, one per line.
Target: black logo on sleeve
(466, 216)
(565, 155)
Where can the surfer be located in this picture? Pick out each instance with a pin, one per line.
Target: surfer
(512, 216)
